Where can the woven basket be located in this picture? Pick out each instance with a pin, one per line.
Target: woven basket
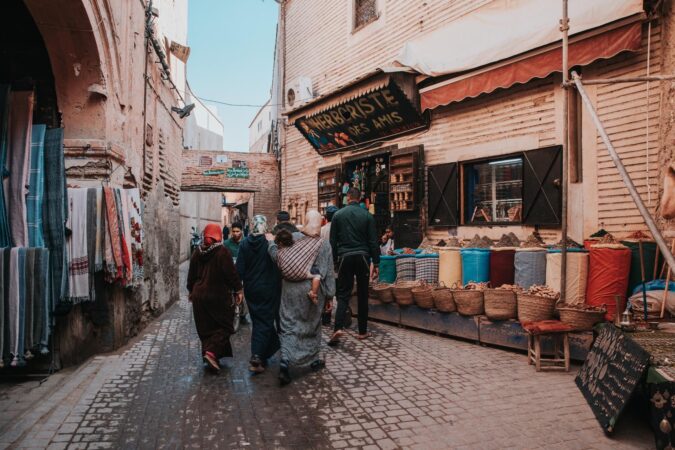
(443, 299)
(469, 301)
(383, 292)
(579, 319)
(423, 296)
(500, 304)
(533, 308)
(403, 292)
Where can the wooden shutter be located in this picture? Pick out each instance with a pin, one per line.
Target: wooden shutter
(442, 188)
(542, 191)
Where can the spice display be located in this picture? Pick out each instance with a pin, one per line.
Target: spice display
(543, 291)
(532, 241)
(571, 243)
(479, 242)
(508, 240)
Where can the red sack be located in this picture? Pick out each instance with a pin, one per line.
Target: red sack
(608, 271)
(501, 267)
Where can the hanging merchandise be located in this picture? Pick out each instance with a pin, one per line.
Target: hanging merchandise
(55, 212)
(475, 265)
(609, 265)
(529, 267)
(24, 300)
(5, 236)
(36, 185)
(577, 273)
(78, 258)
(18, 162)
(136, 225)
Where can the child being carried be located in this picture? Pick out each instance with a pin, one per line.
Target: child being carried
(296, 260)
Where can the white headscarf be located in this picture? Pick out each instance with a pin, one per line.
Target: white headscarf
(259, 225)
(312, 223)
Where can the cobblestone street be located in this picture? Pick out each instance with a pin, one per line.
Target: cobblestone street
(401, 389)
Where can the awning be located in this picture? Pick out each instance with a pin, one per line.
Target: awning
(377, 108)
(582, 51)
(505, 28)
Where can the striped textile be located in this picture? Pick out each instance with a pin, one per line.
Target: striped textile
(25, 318)
(115, 265)
(426, 269)
(136, 225)
(18, 162)
(92, 213)
(54, 211)
(78, 260)
(296, 261)
(5, 235)
(405, 268)
(36, 187)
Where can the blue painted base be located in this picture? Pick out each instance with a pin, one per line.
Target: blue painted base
(506, 333)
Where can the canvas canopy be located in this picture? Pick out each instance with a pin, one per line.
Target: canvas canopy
(504, 29)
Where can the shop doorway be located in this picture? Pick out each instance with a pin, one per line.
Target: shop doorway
(371, 176)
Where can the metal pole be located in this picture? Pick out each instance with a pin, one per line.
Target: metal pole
(630, 79)
(663, 246)
(564, 27)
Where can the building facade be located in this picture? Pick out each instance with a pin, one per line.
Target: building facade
(475, 150)
(260, 130)
(105, 73)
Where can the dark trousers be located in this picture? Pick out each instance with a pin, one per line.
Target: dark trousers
(350, 267)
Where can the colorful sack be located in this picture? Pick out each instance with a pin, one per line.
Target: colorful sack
(296, 261)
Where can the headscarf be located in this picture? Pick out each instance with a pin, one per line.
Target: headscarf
(312, 223)
(214, 232)
(259, 225)
(330, 212)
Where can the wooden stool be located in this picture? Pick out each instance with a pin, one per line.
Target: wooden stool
(558, 332)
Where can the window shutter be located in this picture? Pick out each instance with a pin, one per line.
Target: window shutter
(542, 193)
(442, 188)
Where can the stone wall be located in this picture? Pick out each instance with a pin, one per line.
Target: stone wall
(114, 103)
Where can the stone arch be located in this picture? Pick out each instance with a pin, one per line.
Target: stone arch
(73, 39)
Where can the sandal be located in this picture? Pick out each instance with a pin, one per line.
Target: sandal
(335, 338)
(364, 336)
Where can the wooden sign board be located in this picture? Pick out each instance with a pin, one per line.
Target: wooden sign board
(379, 114)
(614, 367)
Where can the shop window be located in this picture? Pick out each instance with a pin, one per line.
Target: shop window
(494, 191)
(365, 11)
(443, 195)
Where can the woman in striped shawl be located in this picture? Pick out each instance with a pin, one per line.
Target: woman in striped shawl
(300, 319)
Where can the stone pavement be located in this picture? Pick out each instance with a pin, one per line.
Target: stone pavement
(401, 389)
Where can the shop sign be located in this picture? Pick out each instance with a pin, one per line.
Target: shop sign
(212, 172)
(237, 172)
(375, 115)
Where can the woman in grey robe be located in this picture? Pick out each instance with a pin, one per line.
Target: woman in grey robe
(300, 318)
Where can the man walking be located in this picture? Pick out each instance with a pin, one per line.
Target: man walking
(284, 223)
(236, 235)
(355, 246)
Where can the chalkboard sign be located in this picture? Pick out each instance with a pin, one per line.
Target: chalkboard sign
(611, 372)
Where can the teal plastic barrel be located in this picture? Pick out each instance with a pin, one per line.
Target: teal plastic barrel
(387, 269)
(475, 265)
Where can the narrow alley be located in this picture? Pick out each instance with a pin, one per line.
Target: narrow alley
(402, 389)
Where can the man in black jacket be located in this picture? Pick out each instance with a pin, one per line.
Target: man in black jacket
(355, 246)
(284, 223)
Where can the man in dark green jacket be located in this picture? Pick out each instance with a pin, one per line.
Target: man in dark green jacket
(355, 246)
(236, 236)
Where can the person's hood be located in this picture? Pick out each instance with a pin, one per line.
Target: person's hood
(206, 253)
(258, 243)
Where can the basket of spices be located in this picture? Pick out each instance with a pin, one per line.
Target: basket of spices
(443, 299)
(537, 303)
(422, 294)
(383, 292)
(500, 303)
(402, 291)
(582, 317)
(469, 300)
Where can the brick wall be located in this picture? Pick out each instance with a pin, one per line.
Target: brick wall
(263, 179)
